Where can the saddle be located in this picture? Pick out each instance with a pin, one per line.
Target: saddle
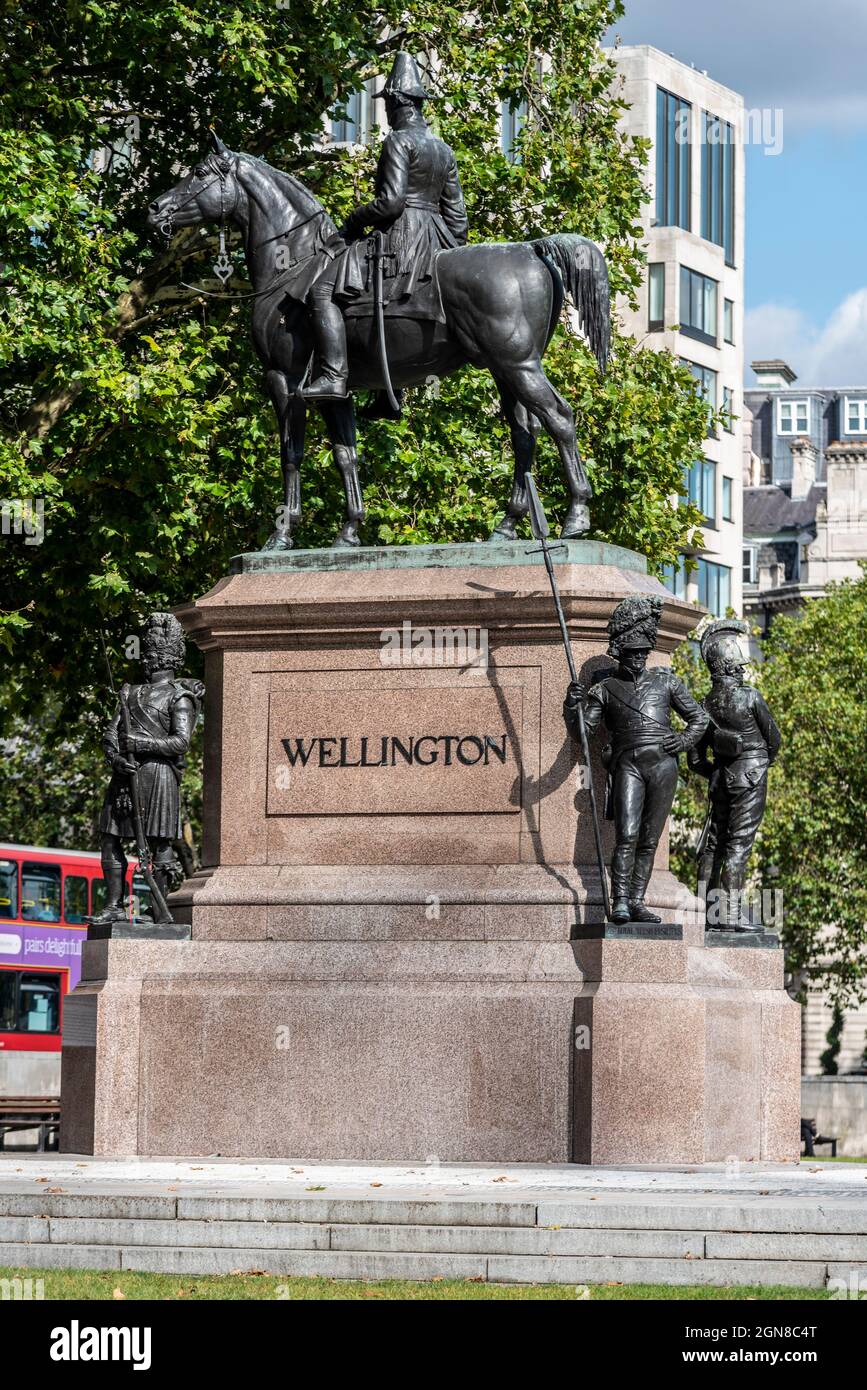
(413, 296)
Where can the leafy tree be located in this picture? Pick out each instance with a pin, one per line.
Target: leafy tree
(133, 407)
(814, 836)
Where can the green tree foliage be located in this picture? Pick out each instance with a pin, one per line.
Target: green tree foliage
(134, 408)
(814, 836)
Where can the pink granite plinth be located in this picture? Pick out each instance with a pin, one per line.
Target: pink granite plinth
(386, 959)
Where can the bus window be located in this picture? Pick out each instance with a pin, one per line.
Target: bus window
(100, 896)
(39, 1004)
(8, 889)
(8, 1001)
(74, 898)
(40, 892)
(141, 897)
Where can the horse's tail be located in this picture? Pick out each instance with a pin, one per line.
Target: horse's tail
(584, 272)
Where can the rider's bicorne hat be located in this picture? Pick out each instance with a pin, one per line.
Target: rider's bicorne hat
(634, 623)
(404, 79)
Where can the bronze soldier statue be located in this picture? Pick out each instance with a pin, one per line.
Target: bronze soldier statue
(635, 704)
(734, 753)
(142, 802)
(419, 207)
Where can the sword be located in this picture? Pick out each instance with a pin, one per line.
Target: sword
(541, 531)
(143, 849)
(376, 256)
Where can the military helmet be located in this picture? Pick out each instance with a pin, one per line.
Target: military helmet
(404, 79)
(721, 645)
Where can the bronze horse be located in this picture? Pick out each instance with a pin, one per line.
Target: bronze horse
(501, 304)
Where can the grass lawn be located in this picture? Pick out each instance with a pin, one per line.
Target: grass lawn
(84, 1284)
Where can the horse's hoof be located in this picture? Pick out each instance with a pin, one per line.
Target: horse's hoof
(506, 531)
(278, 540)
(345, 542)
(577, 523)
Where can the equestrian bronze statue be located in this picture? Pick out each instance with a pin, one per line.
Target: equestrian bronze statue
(333, 313)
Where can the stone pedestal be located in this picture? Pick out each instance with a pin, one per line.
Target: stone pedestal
(390, 953)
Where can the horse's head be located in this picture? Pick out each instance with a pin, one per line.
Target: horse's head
(209, 193)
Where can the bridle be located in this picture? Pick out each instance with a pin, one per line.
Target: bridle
(223, 266)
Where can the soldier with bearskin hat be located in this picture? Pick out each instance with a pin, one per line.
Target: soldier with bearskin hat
(162, 715)
(635, 704)
(735, 753)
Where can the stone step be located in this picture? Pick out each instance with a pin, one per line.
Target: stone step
(360, 1264)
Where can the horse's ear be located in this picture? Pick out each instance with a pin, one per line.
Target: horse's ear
(216, 143)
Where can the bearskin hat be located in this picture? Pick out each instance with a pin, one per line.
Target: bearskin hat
(634, 623)
(163, 641)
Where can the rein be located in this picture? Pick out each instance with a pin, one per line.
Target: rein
(223, 266)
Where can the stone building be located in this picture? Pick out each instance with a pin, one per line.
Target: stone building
(692, 302)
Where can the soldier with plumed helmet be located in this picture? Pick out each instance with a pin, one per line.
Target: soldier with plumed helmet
(635, 704)
(734, 754)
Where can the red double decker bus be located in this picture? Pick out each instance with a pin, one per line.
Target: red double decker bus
(45, 897)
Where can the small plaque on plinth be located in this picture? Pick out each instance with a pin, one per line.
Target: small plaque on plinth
(764, 940)
(139, 931)
(628, 931)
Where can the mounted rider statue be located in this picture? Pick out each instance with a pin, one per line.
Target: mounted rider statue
(420, 209)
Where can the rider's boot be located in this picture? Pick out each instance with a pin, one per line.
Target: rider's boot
(329, 332)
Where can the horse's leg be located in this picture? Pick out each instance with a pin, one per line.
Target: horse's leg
(535, 392)
(291, 415)
(524, 429)
(339, 417)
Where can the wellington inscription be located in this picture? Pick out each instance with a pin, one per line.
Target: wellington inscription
(438, 750)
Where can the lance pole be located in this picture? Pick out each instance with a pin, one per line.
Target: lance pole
(541, 531)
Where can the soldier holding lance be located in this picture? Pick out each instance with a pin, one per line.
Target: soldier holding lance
(635, 704)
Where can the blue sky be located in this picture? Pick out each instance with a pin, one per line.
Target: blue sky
(806, 267)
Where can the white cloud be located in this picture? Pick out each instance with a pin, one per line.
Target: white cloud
(829, 354)
(808, 60)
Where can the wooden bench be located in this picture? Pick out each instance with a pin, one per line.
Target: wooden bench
(41, 1113)
(810, 1139)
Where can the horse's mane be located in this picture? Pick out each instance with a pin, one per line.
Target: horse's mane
(291, 188)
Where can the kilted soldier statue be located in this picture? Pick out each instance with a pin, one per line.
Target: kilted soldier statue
(734, 753)
(635, 705)
(145, 744)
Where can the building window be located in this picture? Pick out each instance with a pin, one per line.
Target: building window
(856, 415)
(707, 386)
(728, 499)
(718, 185)
(698, 306)
(701, 486)
(350, 119)
(656, 296)
(728, 409)
(793, 417)
(673, 160)
(513, 114)
(729, 320)
(714, 587)
(674, 578)
(751, 564)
